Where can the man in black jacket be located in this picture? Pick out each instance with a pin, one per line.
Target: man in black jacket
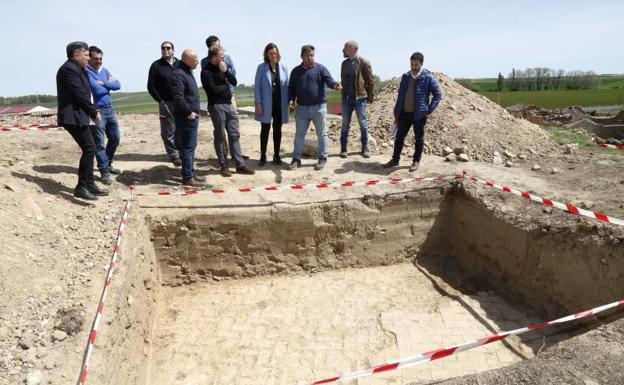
(186, 113)
(216, 80)
(159, 86)
(75, 109)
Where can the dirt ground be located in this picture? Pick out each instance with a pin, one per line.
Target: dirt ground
(55, 248)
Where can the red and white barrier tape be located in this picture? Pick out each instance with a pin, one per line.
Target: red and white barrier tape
(31, 127)
(303, 186)
(569, 207)
(613, 146)
(100, 309)
(449, 351)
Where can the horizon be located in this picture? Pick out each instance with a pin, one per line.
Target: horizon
(471, 41)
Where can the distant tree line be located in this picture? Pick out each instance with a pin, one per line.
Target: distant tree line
(542, 78)
(26, 100)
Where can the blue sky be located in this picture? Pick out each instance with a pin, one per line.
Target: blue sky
(459, 38)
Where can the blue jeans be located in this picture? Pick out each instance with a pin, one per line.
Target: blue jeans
(186, 142)
(406, 120)
(108, 128)
(316, 114)
(348, 105)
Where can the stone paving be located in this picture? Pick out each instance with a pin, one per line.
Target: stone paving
(301, 328)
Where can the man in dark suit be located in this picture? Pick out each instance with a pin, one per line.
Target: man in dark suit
(75, 109)
(186, 113)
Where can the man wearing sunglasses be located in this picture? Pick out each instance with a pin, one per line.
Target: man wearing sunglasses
(159, 86)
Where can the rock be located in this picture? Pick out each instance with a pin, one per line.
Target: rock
(70, 320)
(457, 125)
(507, 154)
(447, 151)
(451, 158)
(451, 107)
(384, 145)
(130, 300)
(9, 187)
(58, 335)
(34, 378)
(586, 205)
(463, 158)
(464, 140)
(571, 148)
(310, 147)
(509, 163)
(555, 170)
(27, 341)
(522, 156)
(547, 210)
(497, 159)
(458, 150)
(536, 167)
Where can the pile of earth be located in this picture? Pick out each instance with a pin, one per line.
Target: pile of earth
(28, 119)
(464, 121)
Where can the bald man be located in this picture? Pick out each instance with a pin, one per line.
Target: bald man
(186, 114)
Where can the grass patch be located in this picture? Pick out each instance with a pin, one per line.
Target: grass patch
(559, 99)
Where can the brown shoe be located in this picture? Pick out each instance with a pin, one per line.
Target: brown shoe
(177, 162)
(189, 182)
(245, 170)
(226, 172)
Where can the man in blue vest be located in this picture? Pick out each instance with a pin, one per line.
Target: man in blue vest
(413, 107)
(102, 83)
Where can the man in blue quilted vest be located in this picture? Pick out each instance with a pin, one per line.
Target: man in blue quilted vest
(419, 95)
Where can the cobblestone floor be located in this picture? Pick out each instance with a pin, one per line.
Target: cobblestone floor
(302, 328)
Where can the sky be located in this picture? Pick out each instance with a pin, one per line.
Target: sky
(463, 39)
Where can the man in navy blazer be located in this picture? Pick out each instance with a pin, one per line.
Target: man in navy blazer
(412, 108)
(75, 112)
(186, 112)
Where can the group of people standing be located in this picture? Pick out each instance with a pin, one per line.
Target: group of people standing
(276, 93)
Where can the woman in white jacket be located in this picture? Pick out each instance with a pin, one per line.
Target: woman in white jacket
(271, 99)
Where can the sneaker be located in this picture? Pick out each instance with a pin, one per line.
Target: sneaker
(262, 161)
(365, 153)
(95, 190)
(189, 182)
(344, 154)
(176, 162)
(114, 171)
(414, 166)
(244, 169)
(106, 178)
(391, 163)
(277, 160)
(82, 192)
(320, 164)
(226, 172)
(295, 164)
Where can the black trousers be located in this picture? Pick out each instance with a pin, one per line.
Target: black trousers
(82, 135)
(277, 133)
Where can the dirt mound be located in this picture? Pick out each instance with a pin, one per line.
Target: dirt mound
(463, 119)
(27, 119)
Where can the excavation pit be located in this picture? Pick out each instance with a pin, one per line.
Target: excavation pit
(298, 293)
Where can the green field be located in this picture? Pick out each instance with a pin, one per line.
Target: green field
(554, 99)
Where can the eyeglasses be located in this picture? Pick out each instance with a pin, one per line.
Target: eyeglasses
(165, 48)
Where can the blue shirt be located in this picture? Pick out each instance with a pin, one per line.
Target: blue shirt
(228, 62)
(307, 85)
(101, 93)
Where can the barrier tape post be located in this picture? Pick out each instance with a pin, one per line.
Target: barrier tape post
(107, 282)
(452, 350)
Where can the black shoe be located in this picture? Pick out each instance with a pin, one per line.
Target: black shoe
(82, 192)
(114, 171)
(295, 164)
(95, 190)
(391, 163)
(262, 162)
(277, 160)
(344, 154)
(365, 153)
(106, 178)
(320, 164)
